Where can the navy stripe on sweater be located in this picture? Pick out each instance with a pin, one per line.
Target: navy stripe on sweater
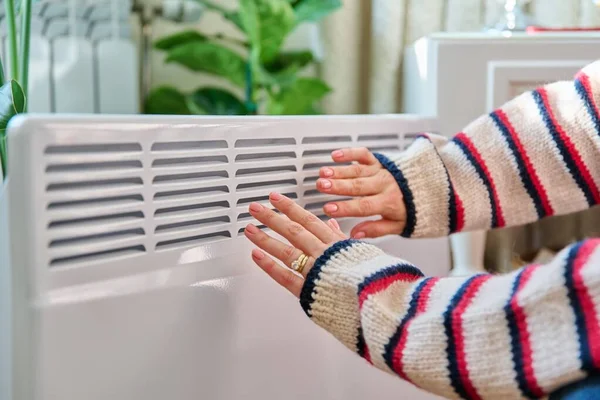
(585, 354)
(567, 154)
(496, 212)
(521, 165)
(409, 200)
(581, 84)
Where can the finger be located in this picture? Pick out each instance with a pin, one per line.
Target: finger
(295, 233)
(284, 252)
(349, 171)
(334, 224)
(283, 276)
(361, 155)
(308, 220)
(351, 187)
(375, 229)
(359, 207)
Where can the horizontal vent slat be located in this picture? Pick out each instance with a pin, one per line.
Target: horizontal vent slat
(100, 178)
(188, 169)
(118, 165)
(80, 195)
(187, 146)
(94, 148)
(166, 219)
(95, 246)
(264, 142)
(104, 255)
(99, 184)
(178, 162)
(74, 212)
(195, 240)
(95, 228)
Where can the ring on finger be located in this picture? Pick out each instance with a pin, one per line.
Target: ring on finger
(299, 264)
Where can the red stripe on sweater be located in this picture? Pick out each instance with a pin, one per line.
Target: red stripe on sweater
(586, 300)
(528, 165)
(477, 156)
(521, 321)
(460, 212)
(585, 81)
(383, 283)
(570, 146)
(459, 338)
(421, 308)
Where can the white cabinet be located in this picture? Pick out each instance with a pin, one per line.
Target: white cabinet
(458, 77)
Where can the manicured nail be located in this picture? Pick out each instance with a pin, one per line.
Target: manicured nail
(359, 235)
(255, 207)
(251, 229)
(257, 254)
(337, 154)
(324, 183)
(276, 196)
(331, 208)
(327, 172)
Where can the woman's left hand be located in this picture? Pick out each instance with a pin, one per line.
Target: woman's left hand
(308, 235)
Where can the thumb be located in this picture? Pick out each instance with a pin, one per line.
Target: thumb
(375, 229)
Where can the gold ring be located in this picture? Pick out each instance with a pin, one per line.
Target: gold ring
(299, 264)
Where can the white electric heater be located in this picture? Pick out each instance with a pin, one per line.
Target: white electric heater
(124, 273)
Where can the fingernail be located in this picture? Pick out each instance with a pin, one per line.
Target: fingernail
(359, 235)
(331, 208)
(259, 255)
(276, 196)
(337, 154)
(251, 229)
(327, 172)
(255, 207)
(325, 184)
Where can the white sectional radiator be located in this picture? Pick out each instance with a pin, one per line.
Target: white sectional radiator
(83, 58)
(129, 274)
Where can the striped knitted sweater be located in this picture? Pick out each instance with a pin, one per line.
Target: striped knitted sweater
(519, 335)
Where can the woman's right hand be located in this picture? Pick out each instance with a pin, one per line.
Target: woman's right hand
(374, 189)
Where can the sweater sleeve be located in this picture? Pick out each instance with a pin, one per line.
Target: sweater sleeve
(518, 335)
(536, 156)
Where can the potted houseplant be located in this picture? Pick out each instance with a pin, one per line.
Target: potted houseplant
(269, 76)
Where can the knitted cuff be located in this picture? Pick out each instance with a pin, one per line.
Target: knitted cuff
(331, 292)
(426, 189)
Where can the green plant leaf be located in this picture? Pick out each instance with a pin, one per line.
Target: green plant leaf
(314, 10)
(166, 100)
(215, 101)
(12, 102)
(211, 58)
(169, 42)
(248, 17)
(299, 98)
(289, 60)
(267, 24)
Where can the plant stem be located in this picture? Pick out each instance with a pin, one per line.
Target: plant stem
(250, 104)
(25, 40)
(9, 6)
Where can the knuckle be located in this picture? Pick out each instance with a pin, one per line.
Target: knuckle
(356, 169)
(288, 253)
(365, 206)
(294, 229)
(308, 219)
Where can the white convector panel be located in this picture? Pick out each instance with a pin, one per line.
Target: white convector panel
(130, 277)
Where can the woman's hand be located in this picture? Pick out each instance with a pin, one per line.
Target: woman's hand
(307, 234)
(374, 188)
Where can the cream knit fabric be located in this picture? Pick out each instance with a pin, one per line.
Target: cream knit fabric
(520, 335)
